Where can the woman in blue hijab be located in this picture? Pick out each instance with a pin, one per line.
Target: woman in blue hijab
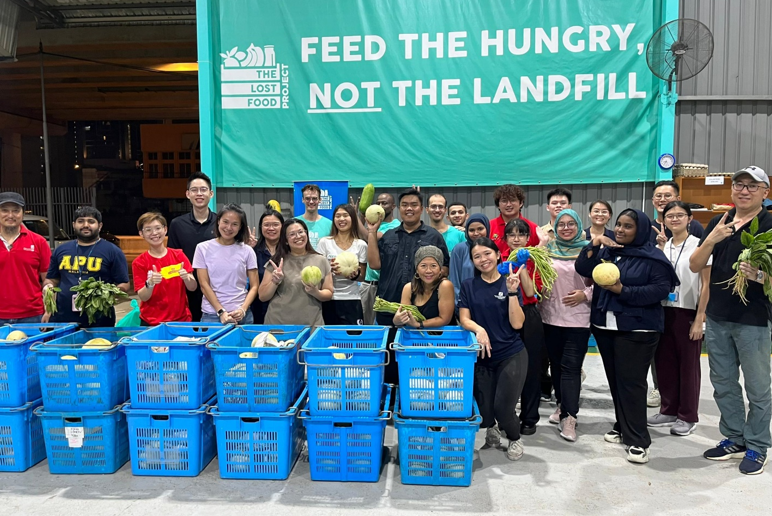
(461, 267)
(627, 319)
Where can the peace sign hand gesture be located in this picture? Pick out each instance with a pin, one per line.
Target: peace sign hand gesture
(252, 242)
(721, 231)
(661, 236)
(513, 280)
(277, 276)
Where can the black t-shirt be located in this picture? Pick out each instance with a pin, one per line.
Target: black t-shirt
(723, 305)
(488, 304)
(695, 228)
(185, 233)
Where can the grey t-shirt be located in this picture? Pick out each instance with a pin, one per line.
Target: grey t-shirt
(291, 304)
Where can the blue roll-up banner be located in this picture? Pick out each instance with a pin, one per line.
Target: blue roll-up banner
(333, 194)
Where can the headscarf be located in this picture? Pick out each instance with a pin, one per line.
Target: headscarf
(567, 249)
(429, 251)
(478, 217)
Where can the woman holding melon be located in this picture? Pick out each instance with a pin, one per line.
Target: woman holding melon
(628, 319)
(347, 254)
(297, 279)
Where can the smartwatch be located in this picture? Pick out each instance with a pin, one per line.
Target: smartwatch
(220, 312)
(760, 276)
(148, 285)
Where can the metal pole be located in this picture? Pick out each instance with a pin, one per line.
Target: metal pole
(49, 200)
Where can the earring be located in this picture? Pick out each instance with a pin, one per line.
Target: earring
(417, 276)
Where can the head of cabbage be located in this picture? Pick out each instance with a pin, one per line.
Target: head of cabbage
(373, 213)
(348, 263)
(311, 275)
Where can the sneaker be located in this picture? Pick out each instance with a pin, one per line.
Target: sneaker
(568, 429)
(682, 427)
(555, 418)
(584, 375)
(515, 450)
(660, 419)
(493, 437)
(527, 429)
(637, 455)
(613, 437)
(546, 398)
(753, 463)
(653, 400)
(725, 450)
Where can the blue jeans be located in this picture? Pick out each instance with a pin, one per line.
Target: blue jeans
(214, 318)
(732, 346)
(24, 320)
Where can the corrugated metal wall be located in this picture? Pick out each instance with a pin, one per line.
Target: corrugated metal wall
(9, 22)
(724, 114)
(478, 199)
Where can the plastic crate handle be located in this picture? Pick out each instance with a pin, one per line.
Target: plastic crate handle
(343, 352)
(73, 420)
(159, 417)
(396, 346)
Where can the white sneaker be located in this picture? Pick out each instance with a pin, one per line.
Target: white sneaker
(555, 418)
(653, 400)
(660, 419)
(515, 450)
(637, 455)
(584, 375)
(493, 437)
(613, 437)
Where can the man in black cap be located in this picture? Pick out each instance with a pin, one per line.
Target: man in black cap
(24, 258)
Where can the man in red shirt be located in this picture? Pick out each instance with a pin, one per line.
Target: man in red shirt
(510, 199)
(24, 258)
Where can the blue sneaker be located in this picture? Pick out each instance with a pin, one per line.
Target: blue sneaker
(725, 450)
(753, 463)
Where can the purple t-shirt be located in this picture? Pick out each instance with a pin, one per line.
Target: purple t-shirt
(227, 266)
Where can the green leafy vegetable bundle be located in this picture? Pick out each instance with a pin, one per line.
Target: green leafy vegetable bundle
(389, 307)
(49, 299)
(95, 298)
(542, 264)
(757, 254)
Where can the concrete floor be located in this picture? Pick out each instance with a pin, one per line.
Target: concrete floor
(554, 477)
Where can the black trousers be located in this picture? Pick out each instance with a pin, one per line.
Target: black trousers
(532, 334)
(567, 348)
(194, 303)
(345, 312)
(497, 386)
(626, 358)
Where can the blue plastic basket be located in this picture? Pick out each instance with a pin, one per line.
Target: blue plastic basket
(21, 437)
(345, 370)
(170, 374)
(74, 379)
(257, 379)
(436, 372)
(170, 443)
(259, 445)
(19, 380)
(347, 449)
(437, 453)
(85, 443)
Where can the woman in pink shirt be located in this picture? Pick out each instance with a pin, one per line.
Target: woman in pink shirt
(566, 316)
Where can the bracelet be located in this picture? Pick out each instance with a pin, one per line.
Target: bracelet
(512, 294)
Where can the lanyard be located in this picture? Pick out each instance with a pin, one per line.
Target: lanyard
(683, 244)
(77, 255)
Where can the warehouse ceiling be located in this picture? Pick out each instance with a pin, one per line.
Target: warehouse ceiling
(102, 61)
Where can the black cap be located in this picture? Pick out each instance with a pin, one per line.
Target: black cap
(11, 197)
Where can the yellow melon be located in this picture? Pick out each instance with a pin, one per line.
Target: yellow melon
(97, 343)
(605, 274)
(16, 335)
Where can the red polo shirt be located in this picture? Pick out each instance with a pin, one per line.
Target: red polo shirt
(497, 235)
(20, 269)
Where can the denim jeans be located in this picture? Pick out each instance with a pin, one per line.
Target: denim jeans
(214, 318)
(24, 320)
(732, 346)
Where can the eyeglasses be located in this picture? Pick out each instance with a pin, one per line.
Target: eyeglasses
(599, 212)
(150, 231)
(437, 207)
(567, 225)
(752, 187)
(675, 216)
(664, 197)
(202, 190)
(508, 201)
(296, 234)
(271, 225)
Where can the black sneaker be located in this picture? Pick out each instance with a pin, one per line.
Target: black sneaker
(725, 450)
(753, 463)
(527, 429)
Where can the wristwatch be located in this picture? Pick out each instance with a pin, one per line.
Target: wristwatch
(512, 294)
(148, 285)
(760, 276)
(220, 312)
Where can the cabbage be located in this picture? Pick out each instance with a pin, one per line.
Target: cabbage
(311, 275)
(348, 263)
(374, 213)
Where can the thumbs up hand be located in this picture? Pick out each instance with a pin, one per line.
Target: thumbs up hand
(154, 277)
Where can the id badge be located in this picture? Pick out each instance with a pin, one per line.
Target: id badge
(673, 297)
(74, 308)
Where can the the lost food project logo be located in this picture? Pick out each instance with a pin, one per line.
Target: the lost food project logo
(252, 79)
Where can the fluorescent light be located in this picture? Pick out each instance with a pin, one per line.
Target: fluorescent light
(177, 67)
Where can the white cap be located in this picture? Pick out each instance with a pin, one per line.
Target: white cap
(755, 172)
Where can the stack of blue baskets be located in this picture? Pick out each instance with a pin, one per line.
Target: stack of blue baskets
(171, 380)
(21, 432)
(437, 418)
(83, 390)
(347, 402)
(260, 392)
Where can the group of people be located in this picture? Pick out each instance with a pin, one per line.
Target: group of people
(216, 269)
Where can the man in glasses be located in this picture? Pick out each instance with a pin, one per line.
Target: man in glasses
(187, 231)
(436, 211)
(664, 193)
(558, 200)
(318, 226)
(737, 334)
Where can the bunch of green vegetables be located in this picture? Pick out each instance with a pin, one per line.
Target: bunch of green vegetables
(382, 305)
(542, 264)
(49, 299)
(757, 254)
(96, 298)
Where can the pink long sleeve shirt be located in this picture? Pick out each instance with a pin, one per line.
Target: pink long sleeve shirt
(553, 311)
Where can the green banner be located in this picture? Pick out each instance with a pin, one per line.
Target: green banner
(436, 92)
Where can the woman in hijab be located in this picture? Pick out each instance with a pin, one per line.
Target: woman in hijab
(566, 316)
(628, 320)
(461, 266)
